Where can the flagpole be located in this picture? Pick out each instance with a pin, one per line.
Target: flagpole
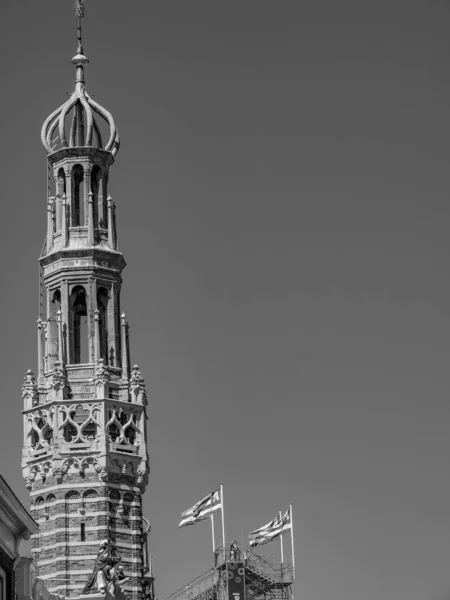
(223, 522)
(292, 541)
(281, 541)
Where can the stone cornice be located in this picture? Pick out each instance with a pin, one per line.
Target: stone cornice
(93, 154)
(14, 514)
(94, 253)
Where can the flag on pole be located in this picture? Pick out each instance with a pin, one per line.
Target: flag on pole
(272, 530)
(201, 510)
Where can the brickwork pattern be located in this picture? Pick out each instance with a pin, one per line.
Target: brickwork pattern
(72, 523)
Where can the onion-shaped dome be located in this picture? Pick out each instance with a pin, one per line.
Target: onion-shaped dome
(80, 111)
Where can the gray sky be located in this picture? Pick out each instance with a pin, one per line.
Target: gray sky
(283, 205)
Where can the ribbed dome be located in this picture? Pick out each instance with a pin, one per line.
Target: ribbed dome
(79, 110)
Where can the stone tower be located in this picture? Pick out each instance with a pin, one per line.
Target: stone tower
(85, 457)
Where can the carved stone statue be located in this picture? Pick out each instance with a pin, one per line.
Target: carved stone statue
(97, 582)
(117, 580)
(107, 576)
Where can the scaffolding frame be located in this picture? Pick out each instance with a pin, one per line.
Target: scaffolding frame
(265, 579)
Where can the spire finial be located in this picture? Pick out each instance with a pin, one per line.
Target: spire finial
(80, 8)
(79, 60)
(80, 11)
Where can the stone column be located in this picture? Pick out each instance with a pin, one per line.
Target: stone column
(90, 219)
(124, 348)
(40, 357)
(60, 338)
(91, 305)
(45, 348)
(112, 333)
(24, 580)
(114, 225)
(65, 318)
(64, 220)
(87, 189)
(97, 335)
(69, 197)
(54, 216)
(110, 224)
(101, 215)
(49, 224)
(127, 346)
(58, 212)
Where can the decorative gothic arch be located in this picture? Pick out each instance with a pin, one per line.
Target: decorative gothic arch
(97, 194)
(78, 328)
(78, 197)
(61, 182)
(102, 307)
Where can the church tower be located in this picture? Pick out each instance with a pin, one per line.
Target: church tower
(85, 458)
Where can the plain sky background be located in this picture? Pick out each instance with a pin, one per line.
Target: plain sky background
(282, 197)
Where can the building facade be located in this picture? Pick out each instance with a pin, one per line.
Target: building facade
(85, 459)
(16, 524)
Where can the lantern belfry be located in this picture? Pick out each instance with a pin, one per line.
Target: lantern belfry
(85, 459)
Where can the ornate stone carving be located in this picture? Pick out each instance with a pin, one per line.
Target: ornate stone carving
(102, 372)
(30, 388)
(102, 472)
(122, 426)
(71, 462)
(46, 469)
(58, 379)
(137, 382)
(79, 422)
(141, 476)
(40, 429)
(58, 474)
(29, 480)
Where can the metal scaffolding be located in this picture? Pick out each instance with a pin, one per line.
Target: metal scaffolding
(264, 579)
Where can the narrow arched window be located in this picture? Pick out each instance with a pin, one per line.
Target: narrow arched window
(50, 506)
(102, 305)
(105, 201)
(55, 304)
(61, 183)
(52, 327)
(97, 207)
(79, 325)
(78, 218)
(60, 192)
(73, 504)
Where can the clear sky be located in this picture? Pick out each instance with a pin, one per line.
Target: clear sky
(282, 197)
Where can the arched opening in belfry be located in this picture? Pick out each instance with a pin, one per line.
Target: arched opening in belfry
(52, 327)
(55, 304)
(96, 185)
(78, 196)
(102, 305)
(105, 200)
(80, 333)
(61, 182)
(60, 193)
